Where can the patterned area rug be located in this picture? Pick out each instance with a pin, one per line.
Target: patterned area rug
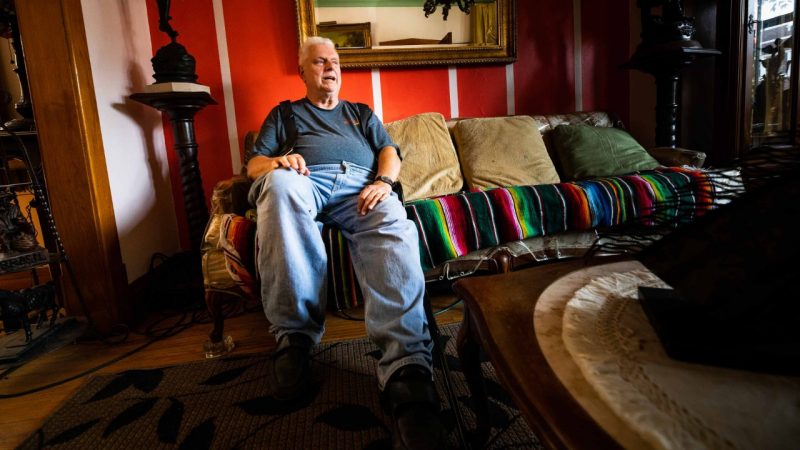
(226, 403)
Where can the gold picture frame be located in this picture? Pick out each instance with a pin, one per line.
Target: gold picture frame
(503, 51)
(347, 35)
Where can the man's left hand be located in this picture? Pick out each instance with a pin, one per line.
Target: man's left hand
(372, 195)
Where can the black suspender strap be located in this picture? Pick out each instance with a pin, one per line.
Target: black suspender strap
(364, 114)
(289, 126)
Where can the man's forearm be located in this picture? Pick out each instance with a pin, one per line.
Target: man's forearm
(259, 165)
(379, 190)
(389, 163)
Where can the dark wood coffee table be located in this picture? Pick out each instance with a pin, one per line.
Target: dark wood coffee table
(498, 317)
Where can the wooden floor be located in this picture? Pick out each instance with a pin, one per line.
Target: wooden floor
(21, 415)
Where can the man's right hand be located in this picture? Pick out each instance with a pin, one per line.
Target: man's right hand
(259, 164)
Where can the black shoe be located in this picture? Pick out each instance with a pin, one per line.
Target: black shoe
(410, 399)
(291, 368)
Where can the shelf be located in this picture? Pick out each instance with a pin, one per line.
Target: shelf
(22, 134)
(14, 261)
(16, 186)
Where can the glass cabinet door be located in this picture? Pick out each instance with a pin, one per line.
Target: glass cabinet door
(770, 27)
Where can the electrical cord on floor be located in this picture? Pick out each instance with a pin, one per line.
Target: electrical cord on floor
(76, 376)
(446, 308)
(151, 332)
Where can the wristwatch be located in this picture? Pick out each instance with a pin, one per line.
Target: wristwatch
(385, 179)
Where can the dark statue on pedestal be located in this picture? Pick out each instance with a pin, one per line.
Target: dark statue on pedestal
(670, 28)
(172, 63)
(667, 46)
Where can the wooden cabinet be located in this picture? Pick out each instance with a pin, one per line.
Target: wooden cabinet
(770, 73)
(755, 80)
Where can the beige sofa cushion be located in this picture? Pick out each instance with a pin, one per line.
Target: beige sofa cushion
(503, 151)
(430, 165)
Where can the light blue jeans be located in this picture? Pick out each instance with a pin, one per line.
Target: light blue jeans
(292, 209)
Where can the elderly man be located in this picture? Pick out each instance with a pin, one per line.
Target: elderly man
(340, 172)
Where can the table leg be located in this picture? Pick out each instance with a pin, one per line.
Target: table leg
(468, 348)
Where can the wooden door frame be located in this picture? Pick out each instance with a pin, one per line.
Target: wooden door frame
(729, 132)
(65, 109)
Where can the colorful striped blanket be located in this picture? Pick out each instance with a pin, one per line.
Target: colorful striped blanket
(454, 225)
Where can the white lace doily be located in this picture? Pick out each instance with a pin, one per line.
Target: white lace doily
(671, 404)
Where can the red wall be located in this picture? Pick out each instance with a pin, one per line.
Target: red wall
(604, 48)
(262, 46)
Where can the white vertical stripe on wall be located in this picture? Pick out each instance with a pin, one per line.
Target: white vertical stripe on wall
(377, 98)
(576, 31)
(227, 88)
(452, 77)
(510, 105)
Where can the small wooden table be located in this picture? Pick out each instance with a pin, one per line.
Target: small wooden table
(498, 317)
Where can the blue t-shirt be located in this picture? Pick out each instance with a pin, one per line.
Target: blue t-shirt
(326, 136)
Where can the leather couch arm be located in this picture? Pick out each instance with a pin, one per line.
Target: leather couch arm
(676, 157)
(230, 196)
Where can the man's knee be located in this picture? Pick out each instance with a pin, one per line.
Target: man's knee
(389, 211)
(394, 226)
(280, 185)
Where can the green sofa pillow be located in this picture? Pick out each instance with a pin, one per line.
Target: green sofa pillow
(586, 151)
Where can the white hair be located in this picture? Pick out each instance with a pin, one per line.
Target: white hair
(310, 42)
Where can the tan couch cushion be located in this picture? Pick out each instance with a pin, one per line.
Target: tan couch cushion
(430, 164)
(503, 151)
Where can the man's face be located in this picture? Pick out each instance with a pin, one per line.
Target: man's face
(320, 70)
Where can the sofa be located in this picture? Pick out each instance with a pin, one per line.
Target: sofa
(487, 195)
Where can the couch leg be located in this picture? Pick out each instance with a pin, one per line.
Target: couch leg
(505, 263)
(501, 263)
(217, 344)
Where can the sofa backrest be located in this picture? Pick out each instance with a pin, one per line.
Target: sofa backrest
(548, 122)
(433, 166)
(496, 151)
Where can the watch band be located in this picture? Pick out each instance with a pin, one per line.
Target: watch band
(385, 179)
